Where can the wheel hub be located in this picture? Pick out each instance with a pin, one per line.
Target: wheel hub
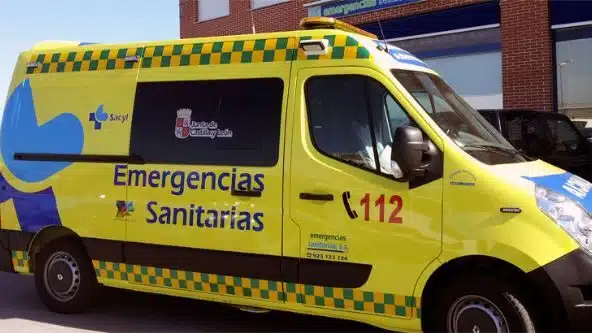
(477, 315)
(62, 276)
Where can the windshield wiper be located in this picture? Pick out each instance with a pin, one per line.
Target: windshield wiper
(509, 151)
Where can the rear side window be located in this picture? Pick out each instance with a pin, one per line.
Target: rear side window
(225, 122)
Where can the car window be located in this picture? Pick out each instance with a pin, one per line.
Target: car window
(564, 137)
(215, 122)
(539, 135)
(456, 118)
(491, 118)
(396, 114)
(357, 125)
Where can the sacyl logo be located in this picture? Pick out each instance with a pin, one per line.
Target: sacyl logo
(100, 116)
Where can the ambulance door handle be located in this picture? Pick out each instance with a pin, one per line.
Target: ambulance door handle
(318, 197)
(239, 193)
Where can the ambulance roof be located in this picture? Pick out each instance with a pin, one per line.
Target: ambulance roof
(347, 38)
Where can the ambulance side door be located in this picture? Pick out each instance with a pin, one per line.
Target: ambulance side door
(364, 237)
(208, 207)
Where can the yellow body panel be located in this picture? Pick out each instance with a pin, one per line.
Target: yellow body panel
(485, 230)
(436, 223)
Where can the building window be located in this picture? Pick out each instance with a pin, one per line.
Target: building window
(211, 9)
(264, 3)
(357, 125)
(573, 47)
(470, 61)
(225, 122)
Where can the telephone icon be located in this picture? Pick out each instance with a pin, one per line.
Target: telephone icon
(346, 196)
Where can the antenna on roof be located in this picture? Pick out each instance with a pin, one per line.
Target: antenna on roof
(382, 34)
(252, 21)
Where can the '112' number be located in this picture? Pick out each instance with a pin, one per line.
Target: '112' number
(395, 200)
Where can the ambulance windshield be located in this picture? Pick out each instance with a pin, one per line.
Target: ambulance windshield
(465, 126)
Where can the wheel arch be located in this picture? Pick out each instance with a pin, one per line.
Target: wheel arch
(47, 235)
(443, 273)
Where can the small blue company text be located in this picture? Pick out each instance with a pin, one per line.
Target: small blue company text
(352, 7)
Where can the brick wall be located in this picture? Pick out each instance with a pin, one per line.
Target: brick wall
(526, 37)
(286, 16)
(280, 17)
(527, 58)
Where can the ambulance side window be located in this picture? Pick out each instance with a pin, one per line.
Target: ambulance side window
(215, 122)
(352, 118)
(387, 116)
(339, 122)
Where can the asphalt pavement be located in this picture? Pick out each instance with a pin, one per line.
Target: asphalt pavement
(122, 311)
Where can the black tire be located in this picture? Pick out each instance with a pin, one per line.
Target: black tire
(485, 301)
(64, 277)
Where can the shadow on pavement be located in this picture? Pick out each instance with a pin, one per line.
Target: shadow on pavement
(120, 311)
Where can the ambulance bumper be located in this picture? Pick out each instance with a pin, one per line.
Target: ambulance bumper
(566, 285)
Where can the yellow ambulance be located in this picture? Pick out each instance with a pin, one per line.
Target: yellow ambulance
(318, 171)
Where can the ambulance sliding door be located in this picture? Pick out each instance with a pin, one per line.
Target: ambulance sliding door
(207, 123)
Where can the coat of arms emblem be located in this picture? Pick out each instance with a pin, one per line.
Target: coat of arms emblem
(183, 123)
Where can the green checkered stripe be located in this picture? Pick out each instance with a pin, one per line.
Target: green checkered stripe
(84, 60)
(354, 300)
(191, 281)
(342, 47)
(20, 261)
(216, 53)
(339, 298)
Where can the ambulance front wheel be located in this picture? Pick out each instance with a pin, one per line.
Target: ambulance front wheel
(64, 277)
(481, 304)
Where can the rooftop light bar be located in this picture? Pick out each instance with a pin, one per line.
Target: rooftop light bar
(319, 22)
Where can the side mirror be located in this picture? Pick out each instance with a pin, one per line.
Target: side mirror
(407, 153)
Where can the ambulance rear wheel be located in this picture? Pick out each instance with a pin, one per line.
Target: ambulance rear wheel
(64, 277)
(480, 304)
